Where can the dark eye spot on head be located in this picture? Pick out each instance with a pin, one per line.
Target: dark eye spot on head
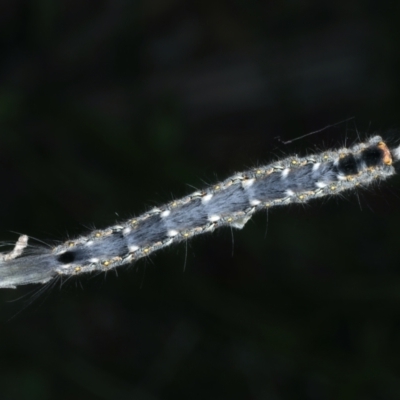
(67, 257)
(373, 156)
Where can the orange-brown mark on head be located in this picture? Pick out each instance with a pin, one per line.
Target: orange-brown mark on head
(387, 157)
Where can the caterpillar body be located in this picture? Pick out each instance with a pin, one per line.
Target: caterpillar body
(228, 203)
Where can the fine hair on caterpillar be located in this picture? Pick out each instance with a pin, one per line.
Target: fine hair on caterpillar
(231, 202)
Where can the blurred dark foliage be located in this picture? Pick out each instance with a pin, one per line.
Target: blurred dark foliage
(110, 107)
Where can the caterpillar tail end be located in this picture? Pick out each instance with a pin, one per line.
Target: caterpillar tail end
(18, 269)
(18, 249)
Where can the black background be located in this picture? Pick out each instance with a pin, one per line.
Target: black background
(108, 108)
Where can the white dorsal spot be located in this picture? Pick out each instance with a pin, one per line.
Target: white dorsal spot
(206, 198)
(316, 166)
(321, 184)
(133, 248)
(290, 192)
(165, 213)
(285, 173)
(247, 183)
(126, 231)
(172, 233)
(255, 202)
(214, 218)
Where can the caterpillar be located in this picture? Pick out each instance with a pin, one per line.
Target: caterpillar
(231, 202)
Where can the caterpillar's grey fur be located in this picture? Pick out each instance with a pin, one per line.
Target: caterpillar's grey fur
(231, 202)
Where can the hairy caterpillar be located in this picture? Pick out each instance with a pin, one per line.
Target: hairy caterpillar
(228, 203)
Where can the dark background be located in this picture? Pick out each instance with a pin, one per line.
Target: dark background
(108, 108)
